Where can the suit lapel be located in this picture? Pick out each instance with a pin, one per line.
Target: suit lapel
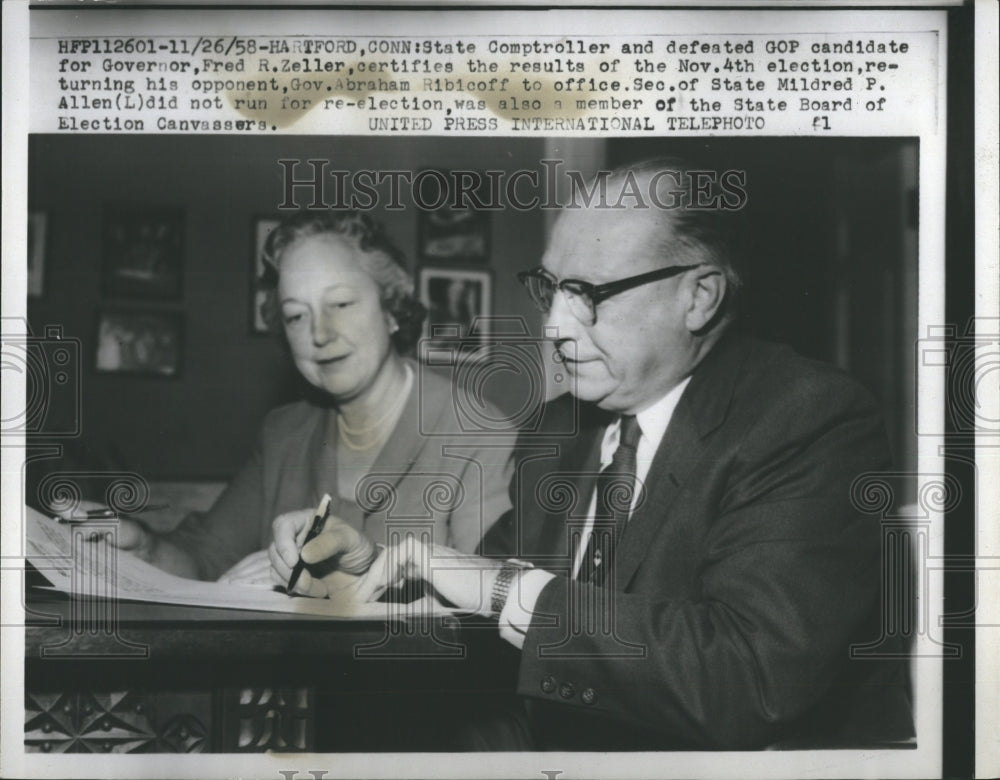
(701, 410)
(679, 450)
(402, 447)
(399, 452)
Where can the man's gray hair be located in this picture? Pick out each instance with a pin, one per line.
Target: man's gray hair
(691, 231)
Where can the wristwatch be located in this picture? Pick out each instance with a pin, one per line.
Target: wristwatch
(501, 585)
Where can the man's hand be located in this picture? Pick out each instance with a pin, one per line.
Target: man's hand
(132, 535)
(347, 550)
(466, 581)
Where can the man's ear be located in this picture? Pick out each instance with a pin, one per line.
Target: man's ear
(707, 295)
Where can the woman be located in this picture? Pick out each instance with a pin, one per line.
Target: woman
(383, 451)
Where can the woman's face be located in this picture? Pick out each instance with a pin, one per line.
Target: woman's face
(333, 317)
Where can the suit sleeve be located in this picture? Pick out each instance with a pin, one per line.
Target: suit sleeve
(230, 530)
(789, 572)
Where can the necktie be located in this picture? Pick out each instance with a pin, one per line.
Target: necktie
(615, 488)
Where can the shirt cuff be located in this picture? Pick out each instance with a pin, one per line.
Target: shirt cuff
(515, 617)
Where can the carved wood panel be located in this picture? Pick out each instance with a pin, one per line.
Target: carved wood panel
(117, 722)
(258, 719)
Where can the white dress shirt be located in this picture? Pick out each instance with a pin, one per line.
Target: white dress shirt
(653, 421)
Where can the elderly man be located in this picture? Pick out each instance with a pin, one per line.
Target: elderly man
(687, 572)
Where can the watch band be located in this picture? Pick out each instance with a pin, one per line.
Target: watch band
(501, 587)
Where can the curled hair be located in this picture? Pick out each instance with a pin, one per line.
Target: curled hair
(381, 259)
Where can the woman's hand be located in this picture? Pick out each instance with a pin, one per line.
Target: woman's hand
(463, 580)
(255, 570)
(132, 536)
(348, 553)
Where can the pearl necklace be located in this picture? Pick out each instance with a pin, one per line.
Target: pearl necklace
(355, 438)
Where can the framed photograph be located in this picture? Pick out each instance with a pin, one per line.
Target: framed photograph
(143, 251)
(459, 305)
(38, 222)
(139, 342)
(451, 234)
(260, 228)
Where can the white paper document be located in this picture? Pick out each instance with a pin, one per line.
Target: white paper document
(78, 560)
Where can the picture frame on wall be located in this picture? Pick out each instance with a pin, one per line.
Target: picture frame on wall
(260, 228)
(143, 251)
(459, 305)
(139, 342)
(448, 234)
(38, 225)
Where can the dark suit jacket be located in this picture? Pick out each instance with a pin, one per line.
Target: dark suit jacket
(741, 580)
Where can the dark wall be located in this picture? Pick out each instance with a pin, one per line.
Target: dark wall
(798, 199)
(202, 424)
(828, 236)
(827, 241)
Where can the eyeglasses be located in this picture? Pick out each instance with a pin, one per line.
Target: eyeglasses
(583, 297)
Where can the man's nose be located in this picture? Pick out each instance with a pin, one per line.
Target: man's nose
(560, 321)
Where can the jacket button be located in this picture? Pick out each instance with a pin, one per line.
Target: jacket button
(588, 696)
(566, 690)
(548, 684)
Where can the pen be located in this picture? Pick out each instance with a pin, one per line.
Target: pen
(318, 521)
(107, 514)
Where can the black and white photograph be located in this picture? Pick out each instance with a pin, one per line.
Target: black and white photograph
(143, 248)
(37, 235)
(458, 303)
(261, 227)
(137, 341)
(645, 448)
(454, 234)
(775, 314)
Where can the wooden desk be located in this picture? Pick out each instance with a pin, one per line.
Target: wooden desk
(160, 678)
